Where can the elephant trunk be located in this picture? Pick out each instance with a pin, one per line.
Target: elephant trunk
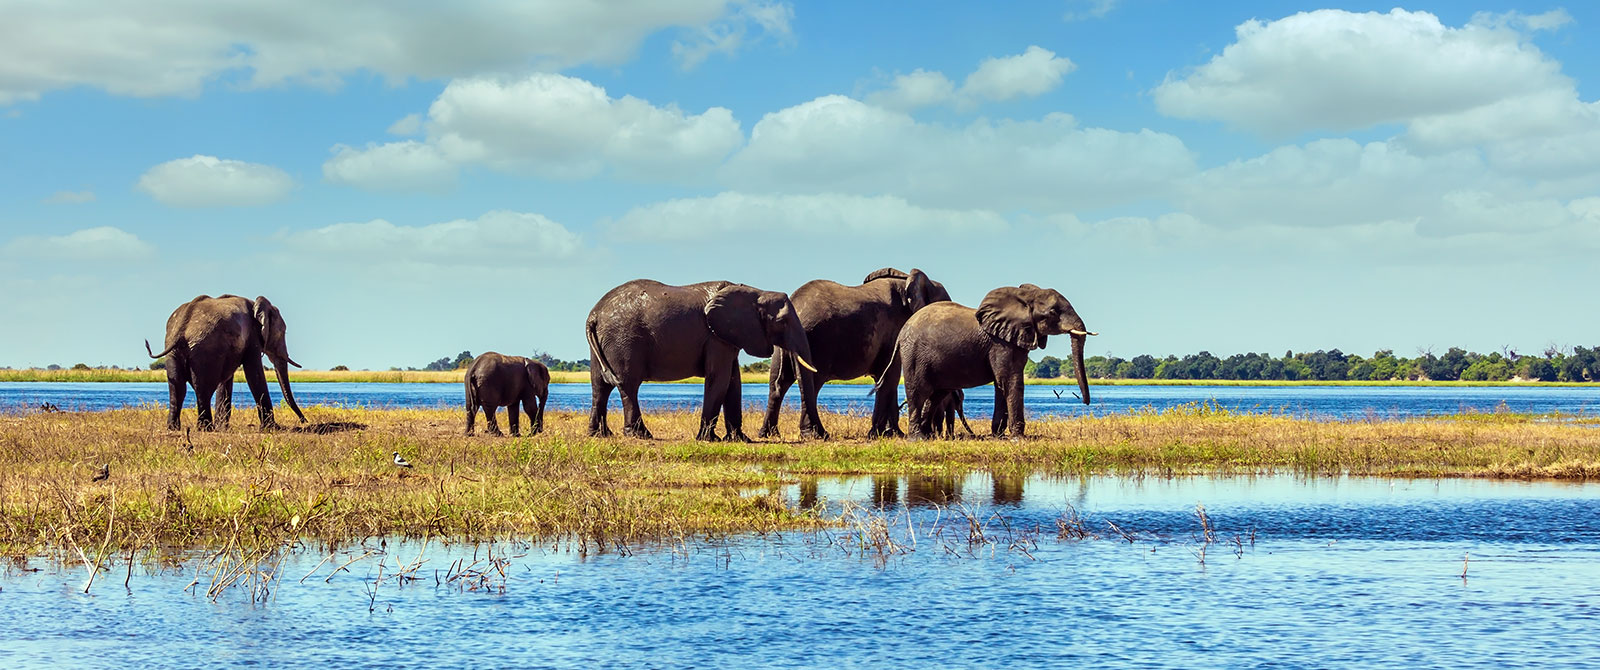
(1077, 362)
(281, 368)
(795, 342)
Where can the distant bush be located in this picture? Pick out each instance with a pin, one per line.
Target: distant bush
(763, 365)
(159, 363)
(340, 368)
(52, 366)
(81, 366)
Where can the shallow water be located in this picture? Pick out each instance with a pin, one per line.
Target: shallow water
(1343, 572)
(1339, 402)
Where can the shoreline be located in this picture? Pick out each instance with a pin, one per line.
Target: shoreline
(34, 375)
(193, 489)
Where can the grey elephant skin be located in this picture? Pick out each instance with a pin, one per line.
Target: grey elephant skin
(207, 340)
(497, 380)
(947, 347)
(648, 331)
(852, 331)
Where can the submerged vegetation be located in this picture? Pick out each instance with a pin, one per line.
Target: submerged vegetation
(189, 489)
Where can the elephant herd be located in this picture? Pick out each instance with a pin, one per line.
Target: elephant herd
(894, 324)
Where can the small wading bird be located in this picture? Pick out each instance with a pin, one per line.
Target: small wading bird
(103, 474)
(400, 461)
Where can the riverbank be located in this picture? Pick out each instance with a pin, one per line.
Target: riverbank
(190, 489)
(566, 377)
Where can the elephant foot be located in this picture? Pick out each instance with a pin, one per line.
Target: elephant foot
(638, 431)
(768, 432)
(737, 436)
(467, 433)
(536, 431)
(707, 434)
(813, 433)
(602, 431)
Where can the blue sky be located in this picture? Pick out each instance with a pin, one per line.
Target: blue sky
(1245, 176)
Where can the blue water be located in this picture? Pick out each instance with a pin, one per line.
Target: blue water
(1343, 572)
(1339, 402)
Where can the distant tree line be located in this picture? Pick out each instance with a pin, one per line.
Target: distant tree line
(463, 359)
(1580, 364)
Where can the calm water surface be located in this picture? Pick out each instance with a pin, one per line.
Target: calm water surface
(1341, 573)
(1315, 401)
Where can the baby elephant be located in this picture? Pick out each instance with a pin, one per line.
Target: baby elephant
(494, 380)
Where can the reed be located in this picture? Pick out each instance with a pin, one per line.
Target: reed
(246, 491)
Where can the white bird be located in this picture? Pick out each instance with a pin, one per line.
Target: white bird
(400, 461)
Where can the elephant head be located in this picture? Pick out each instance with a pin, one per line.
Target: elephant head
(756, 321)
(919, 289)
(1025, 315)
(276, 348)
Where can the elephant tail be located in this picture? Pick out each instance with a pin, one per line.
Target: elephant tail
(599, 363)
(885, 374)
(165, 351)
(957, 400)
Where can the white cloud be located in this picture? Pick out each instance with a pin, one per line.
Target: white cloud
(409, 124)
(1338, 70)
(727, 35)
(175, 47)
(553, 126)
(1031, 73)
(498, 239)
(208, 181)
(101, 244)
(820, 214)
(1092, 9)
(396, 166)
(837, 144)
(70, 197)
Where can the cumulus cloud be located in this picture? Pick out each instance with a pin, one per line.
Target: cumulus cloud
(820, 214)
(496, 239)
(208, 181)
(1031, 73)
(549, 125)
(70, 197)
(409, 124)
(396, 166)
(1089, 9)
(1338, 70)
(173, 47)
(101, 244)
(727, 35)
(840, 145)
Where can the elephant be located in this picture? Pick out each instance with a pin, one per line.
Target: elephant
(207, 340)
(496, 380)
(947, 408)
(851, 330)
(948, 347)
(648, 331)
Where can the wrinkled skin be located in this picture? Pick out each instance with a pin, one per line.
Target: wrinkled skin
(207, 340)
(947, 347)
(648, 331)
(851, 330)
(496, 380)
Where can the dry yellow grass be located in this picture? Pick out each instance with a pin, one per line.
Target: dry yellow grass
(202, 489)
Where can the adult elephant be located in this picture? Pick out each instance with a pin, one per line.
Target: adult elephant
(207, 340)
(947, 347)
(852, 330)
(648, 331)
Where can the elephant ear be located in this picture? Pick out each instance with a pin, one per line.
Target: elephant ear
(265, 314)
(917, 288)
(1006, 315)
(733, 317)
(885, 273)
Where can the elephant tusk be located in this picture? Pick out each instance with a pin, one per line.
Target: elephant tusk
(803, 362)
(1081, 333)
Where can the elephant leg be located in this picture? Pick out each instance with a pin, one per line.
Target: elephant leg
(177, 389)
(810, 418)
(488, 420)
(779, 377)
(997, 425)
(472, 414)
(256, 378)
(530, 404)
(222, 405)
(733, 406)
(600, 397)
(514, 418)
(886, 405)
(632, 415)
(202, 408)
(1014, 409)
(915, 397)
